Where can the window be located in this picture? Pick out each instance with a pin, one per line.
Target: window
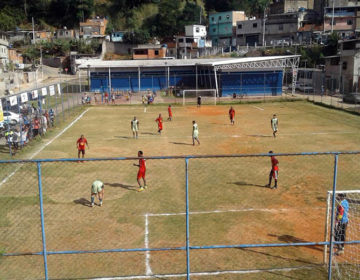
(334, 22)
(156, 52)
(254, 25)
(214, 29)
(349, 22)
(212, 18)
(227, 17)
(219, 17)
(197, 30)
(281, 27)
(344, 65)
(240, 26)
(181, 40)
(335, 61)
(141, 51)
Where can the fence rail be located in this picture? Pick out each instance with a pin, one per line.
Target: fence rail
(179, 216)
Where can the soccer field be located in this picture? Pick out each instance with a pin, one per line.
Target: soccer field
(229, 203)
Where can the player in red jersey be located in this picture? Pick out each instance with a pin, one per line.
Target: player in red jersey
(80, 145)
(159, 120)
(170, 113)
(274, 173)
(232, 115)
(142, 171)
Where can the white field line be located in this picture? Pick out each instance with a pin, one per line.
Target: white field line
(163, 276)
(44, 146)
(256, 107)
(229, 211)
(147, 254)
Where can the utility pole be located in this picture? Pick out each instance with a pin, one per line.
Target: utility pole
(264, 20)
(33, 40)
(41, 63)
(200, 14)
(333, 15)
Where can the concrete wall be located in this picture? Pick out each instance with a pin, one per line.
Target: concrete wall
(286, 6)
(342, 3)
(119, 48)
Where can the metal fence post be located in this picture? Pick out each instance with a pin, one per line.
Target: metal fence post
(42, 219)
(332, 216)
(187, 219)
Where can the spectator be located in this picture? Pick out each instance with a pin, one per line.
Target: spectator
(51, 116)
(36, 126)
(46, 114)
(43, 122)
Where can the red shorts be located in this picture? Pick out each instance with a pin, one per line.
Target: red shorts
(82, 151)
(141, 174)
(160, 127)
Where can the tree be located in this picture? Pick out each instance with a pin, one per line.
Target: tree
(137, 37)
(190, 15)
(10, 18)
(7, 22)
(69, 12)
(167, 19)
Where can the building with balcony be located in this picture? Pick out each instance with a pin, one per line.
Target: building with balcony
(222, 27)
(189, 46)
(94, 27)
(343, 20)
(4, 49)
(343, 69)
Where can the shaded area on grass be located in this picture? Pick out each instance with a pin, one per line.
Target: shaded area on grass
(248, 184)
(83, 201)
(181, 143)
(118, 185)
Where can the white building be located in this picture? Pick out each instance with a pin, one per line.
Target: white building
(192, 44)
(195, 31)
(4, 49)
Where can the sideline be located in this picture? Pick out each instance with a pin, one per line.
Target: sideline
(162, 276)
(43, 147)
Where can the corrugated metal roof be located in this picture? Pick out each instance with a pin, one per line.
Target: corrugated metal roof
(97, 63)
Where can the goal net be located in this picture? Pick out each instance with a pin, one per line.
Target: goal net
(346, 228)
(208, 96)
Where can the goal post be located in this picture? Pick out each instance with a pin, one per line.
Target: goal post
(344, 263)
(207, 95)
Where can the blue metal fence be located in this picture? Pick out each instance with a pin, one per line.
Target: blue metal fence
(188, 248)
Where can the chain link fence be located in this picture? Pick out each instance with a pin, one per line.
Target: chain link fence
(200, 216)
(33, 113)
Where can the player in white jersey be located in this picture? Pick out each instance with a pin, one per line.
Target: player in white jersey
(135, 127)
(195, 133)
(274, 124)
(97, 189)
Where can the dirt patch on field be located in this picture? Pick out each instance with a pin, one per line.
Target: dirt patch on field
(207, 110)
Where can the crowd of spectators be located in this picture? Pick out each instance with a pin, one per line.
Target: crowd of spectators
(34, 122)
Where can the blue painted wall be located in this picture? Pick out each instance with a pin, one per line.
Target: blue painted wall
(251, 83)
(248, 83)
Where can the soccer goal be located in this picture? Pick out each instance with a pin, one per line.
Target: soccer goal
(191, 95)
(346, 257)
